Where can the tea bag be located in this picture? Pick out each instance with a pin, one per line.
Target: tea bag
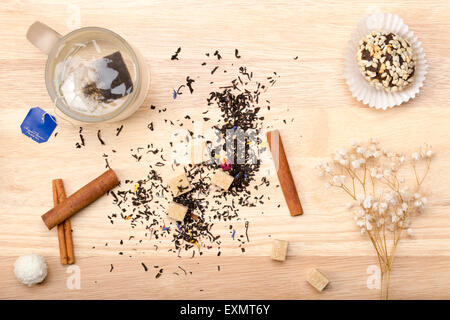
(110, 79)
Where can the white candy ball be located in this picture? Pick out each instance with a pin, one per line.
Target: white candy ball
(30, 269)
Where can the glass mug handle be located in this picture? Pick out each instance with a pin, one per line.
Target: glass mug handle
(45, 38)
(42, 36)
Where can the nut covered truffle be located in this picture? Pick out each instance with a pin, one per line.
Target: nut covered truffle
(386, 60)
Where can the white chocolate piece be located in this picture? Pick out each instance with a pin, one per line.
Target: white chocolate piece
(179, 185)
(279, 250)
(317, 280)
(177, 211)
(30, 269)
(222, 180)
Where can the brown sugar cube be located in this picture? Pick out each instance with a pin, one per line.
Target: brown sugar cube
(176, 211)
(317, 280)
(279, 249)
(179, 185)
(222, 179)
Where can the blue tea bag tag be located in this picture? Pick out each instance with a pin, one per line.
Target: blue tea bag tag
(38, 125)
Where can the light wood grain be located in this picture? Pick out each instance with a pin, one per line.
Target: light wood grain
(310, 90)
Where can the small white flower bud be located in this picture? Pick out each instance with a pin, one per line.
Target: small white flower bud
(356, 164)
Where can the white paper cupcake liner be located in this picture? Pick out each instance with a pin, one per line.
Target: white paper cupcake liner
(361, 89)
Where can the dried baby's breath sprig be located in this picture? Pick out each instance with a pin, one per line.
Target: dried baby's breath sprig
(385, 195)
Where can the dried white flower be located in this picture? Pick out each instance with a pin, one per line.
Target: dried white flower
(375, 206)
(410, 232)
(384, 203)
(360, 197)
(382, 207)
(367, 202)
(356, 164)
(407, 223)
(373, 172)
(394, 167)
(360, 223)
(339, 179)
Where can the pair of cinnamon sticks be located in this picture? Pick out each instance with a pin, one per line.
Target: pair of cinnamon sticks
(65, 207)
(64, 228)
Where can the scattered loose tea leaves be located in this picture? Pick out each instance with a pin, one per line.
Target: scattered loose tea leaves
(119, 130)
(175, 55)
(217, 54)
(100, 138)
(189, 82)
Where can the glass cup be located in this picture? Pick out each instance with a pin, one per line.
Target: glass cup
(92, 74)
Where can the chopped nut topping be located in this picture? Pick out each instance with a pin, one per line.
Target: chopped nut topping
(386, 60)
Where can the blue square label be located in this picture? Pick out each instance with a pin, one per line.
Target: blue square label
(38, 125)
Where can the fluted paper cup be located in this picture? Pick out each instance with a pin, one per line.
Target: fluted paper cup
(361, 89)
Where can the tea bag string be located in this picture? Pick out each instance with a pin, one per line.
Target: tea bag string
(51, 117)
(60, 117)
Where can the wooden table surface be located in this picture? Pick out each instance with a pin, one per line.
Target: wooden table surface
(310, 90)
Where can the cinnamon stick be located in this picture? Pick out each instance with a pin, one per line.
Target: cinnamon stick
(69, 241)
(284, 173)
(61, 237)
(80, 199)
(64, 229)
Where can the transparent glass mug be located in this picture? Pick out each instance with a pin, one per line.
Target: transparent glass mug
(92, 74)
